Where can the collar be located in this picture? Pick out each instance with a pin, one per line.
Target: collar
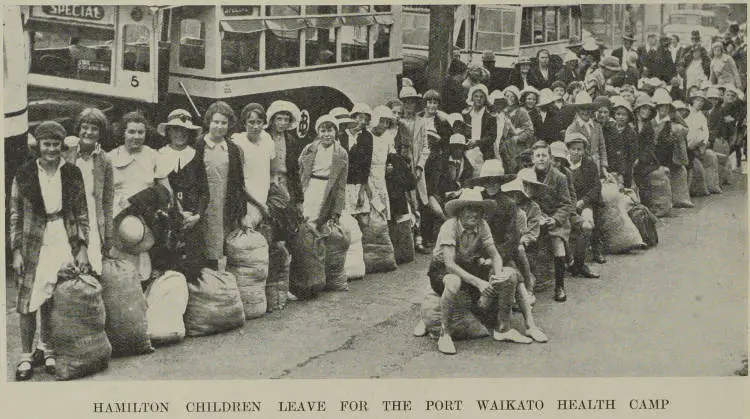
(576, 165)
(660, 121)
(475, 114)
(57, 169)
(462, 229)
(211, 144)
(97, 150)
(589, 124)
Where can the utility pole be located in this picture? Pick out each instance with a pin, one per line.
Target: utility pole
(440, 47)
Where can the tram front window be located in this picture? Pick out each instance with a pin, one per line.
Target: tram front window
(73, 56)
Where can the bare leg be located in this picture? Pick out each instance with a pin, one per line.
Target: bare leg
(523, 299)
(506, 291)
(525, 268)
(447, 300)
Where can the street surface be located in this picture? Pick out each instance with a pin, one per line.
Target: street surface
(679, 309)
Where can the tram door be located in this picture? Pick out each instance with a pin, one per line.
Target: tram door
(137, 53)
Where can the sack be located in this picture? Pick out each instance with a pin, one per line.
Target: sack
(680, 191)
(77, 327)
(657, 196)
(725, 168)
(403, 241)
(619, 233)
(337, 244)
(277, 284)
(214, 305)
(721, 146)
(354, 266)
(307, 275)
(247, 260)
(376, 243)
(125, 305)
(463, 323)
(698, 184)
(167, 299)
(710, 163)
(645, 221)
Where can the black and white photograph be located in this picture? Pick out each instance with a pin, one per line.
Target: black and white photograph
(379, 191)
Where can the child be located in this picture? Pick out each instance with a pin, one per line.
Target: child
(528, 218)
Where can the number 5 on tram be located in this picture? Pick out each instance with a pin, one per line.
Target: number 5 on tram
(121, 58)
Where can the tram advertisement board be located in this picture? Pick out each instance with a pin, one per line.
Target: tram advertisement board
(79, 13)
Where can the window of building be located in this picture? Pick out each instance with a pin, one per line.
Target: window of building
(550, 24)
(136, 52)
(354, 46)
(320, 46)
(192, 43)
(415, 28)
(496, 29)
(85, 56)
(240, 46)
(564, 23)
(320, 10)
(283, 10)
(355, 9)
(283, 43)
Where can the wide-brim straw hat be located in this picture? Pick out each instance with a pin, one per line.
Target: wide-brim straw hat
(713, 92)
(678, 104)
(610, 63)
(362, 108)
(284, 106)
(381, 112)
(408, 92)
(583, 101)
(702, 95)
(491, 171)
(480, 87)
(546, 97)
(643, 100)
(341, 115)
(178, 118)
(570, 56)
(495, 96)
(590, 45)
(620, 102)
(470, 197)
(662, 97)
(575, 137)
(528, 176)
(515, 185)
(131, 234)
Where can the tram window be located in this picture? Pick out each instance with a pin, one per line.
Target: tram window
(382, 48)
(496, 29)
(192, 44)
(136, 52)
(564, 23)
(320, 10)
(83, 57)
(320, 46)
(383, 8)
(550, 24)
(354, 45)
(283, 10)
(537, 25)
(355, 9)
(240, 52)
(415, 28)
(282, 49)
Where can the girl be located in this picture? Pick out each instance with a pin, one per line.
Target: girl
(283, 118)
(98, 180)
(646, 156)
(384, 130)
(49, 227)
(483, 124)
(358, 143)
(529, 99)
(189, 182)
(323, 170)
(519, 118)
(222, 161)
(542, 75)
(723, 68)
(622, 142)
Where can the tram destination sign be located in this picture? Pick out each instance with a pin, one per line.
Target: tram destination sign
(88, 13)
(240, 10)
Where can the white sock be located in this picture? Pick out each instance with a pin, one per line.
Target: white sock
(41, 346)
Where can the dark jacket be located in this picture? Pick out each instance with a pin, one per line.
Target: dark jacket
(622, 150)
(399, 181)
(360, 157)
(566, 76)
(687, 58)
(488, 133)
(504, 226)
(659, 63)
(516, 78)
(617, 53)
(586, 183)
(440, 183)
(443, 128)
(537, 80)
(235, 206)
(556, 201)
(550, 129)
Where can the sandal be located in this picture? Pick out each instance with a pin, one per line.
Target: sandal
(50, 364)
(23, 374)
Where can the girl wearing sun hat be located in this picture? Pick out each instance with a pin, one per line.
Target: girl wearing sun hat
(523, 128)
(622, 141)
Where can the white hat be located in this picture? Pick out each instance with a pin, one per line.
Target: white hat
(661, 97)
(678, 104)
(326, 118)
(570, 56)
(454, 117)
(516, 184)
(284, 106)
(178, 118)
(620, 102)
(360, 108)
(559, 149)
(469, 198)
(527, 90)
(381, 112)
(408, 92)
(492, 171)
(512, 89)
(590, 45)
(341, 115)
(457, 139)
(583, 100)
(71, 141)
(496, 95)
(547, 96)
(473, 89)
(572, 138)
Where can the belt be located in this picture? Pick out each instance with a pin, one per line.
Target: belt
(54, 216)
(319, 177)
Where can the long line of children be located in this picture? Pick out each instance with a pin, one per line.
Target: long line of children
(218, 227)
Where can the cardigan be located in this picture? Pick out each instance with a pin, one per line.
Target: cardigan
(334, 197)
(622, 150)
(360, 157)
(28, 219)
(588, 187)
(488, 132)
(294, 146)
(104, 194)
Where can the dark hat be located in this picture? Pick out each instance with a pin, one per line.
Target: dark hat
(49, 130)
(628, 37)
(695, 34)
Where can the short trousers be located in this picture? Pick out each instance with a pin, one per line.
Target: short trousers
(437, 272)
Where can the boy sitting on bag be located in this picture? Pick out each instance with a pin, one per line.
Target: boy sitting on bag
(459, 265)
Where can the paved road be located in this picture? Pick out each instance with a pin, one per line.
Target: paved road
(676, 310)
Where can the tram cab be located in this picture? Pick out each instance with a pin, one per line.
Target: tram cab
(156, 59)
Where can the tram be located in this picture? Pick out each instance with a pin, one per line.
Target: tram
(510, 31)
(121, 58)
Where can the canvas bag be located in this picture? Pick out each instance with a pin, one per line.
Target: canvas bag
(167, 297)
(247, 260)
(214, 305)
(354, 265)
